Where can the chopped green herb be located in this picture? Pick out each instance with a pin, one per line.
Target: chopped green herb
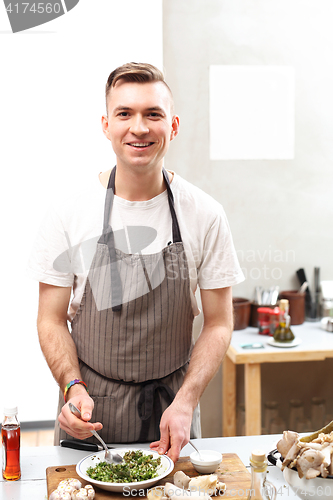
(135, 467)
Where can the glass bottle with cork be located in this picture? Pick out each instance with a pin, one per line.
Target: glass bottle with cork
(10, 434)
(261, 489)
(283, 332)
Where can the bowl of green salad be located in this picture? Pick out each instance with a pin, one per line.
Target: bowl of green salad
(140, 469)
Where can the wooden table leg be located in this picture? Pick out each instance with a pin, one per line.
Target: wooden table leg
(228, 398)
(252, 376)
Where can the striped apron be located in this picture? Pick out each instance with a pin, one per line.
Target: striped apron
(133, 334)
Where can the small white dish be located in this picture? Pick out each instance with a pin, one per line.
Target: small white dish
(164, 470)
(293, 343)
(211, 461)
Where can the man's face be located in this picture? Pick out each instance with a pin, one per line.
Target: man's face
(139, 123)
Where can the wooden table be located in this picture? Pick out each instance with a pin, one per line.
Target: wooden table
(316, 344)
(35, 461)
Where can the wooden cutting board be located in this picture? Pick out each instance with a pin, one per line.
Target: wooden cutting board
(231, 471)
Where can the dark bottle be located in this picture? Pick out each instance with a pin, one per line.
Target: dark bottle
(283, 332)
(10, 434)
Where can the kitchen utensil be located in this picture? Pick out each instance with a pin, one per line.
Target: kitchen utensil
(311, 302)
(258, 295)
(302, 279)
(196, 449)
(112, 458)
(274, 295)
(303, 287)
(266, 297)
(80, 445)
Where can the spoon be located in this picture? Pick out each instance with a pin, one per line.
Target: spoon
(196, 449)
(112, 458)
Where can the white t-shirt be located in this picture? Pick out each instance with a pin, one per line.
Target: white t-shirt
(67, 239)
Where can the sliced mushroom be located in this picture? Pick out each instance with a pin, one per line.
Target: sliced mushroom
(208, 484)
(181, 480)
(181, 494)
(156, 493)
(288, 440)
(291, 455)
(309, 462)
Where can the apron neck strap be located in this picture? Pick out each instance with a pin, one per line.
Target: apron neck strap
(175, 226)
(176, 236)
(109, 200)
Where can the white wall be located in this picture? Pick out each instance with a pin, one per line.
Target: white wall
(280, 211)
(51, 100)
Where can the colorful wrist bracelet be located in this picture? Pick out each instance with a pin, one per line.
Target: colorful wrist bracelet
(73, 382)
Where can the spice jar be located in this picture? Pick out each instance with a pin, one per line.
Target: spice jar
(264, 319)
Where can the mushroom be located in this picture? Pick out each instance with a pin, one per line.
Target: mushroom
(291, 455)
(309, 463)
(208, 484)
(288, 440)
(312, 457)
(180, 493)
(204, 484)
(156, 493)
(181, 480)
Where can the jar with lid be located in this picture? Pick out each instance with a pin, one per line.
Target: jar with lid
(10, 434)
(261, 489)
(318, 411)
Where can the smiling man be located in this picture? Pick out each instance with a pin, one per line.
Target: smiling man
(131, 311)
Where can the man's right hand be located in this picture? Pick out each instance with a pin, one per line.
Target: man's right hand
(79, 429)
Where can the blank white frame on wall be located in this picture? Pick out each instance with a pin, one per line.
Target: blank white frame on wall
(252, 112)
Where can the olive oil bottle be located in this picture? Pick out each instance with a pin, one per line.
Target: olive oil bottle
(283, 332)
(261, 489)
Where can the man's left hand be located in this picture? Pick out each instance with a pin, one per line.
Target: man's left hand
(175, 428)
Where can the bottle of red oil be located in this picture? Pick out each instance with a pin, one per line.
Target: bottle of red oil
(10, 434)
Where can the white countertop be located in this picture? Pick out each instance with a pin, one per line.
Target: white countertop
(313, 338)
(34, 462)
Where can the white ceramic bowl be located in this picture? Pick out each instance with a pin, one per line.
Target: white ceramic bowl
(318, 488)
(211, 461)
(164, 470)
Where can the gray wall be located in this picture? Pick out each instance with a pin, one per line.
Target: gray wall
(280, 211)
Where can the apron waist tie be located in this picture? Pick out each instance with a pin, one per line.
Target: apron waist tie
(149, 403)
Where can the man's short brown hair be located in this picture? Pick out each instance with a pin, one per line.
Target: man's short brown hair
(135, 72)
